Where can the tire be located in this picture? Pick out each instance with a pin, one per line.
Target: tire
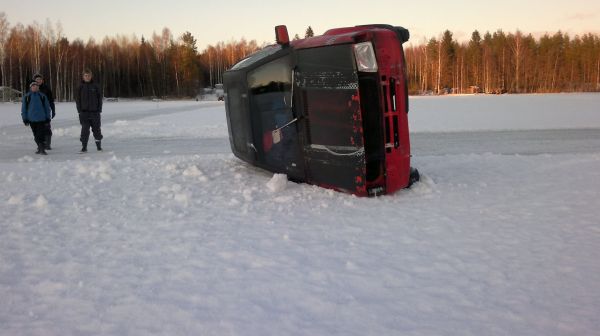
(414, 177)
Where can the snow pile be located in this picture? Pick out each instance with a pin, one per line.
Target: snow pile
(15, 200)
(41, 202)
(277, 183)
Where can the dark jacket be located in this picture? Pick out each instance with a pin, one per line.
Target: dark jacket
(88, 97)
(35, 107)
(45, 89)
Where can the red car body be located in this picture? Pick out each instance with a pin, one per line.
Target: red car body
(330, 110)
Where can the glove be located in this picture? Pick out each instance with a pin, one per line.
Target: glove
(26, 122)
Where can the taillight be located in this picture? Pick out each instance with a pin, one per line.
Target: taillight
(365, 57)
(281, 35)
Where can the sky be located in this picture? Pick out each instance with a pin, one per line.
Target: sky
(215, 21)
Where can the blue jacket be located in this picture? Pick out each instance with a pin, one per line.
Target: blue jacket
(35, 107)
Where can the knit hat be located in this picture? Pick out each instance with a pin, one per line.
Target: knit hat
(33, 83)
(37, 75)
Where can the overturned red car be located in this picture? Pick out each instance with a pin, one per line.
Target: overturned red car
(330, 110)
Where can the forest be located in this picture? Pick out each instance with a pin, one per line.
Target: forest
(160, 66)
(164, 66)
(499, 62)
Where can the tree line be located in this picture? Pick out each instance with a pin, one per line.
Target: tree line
(164, 66)
(499, 62)
(159, 66)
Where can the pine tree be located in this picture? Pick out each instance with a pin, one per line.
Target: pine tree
(309, 32)
(447, 60)
(475, 57)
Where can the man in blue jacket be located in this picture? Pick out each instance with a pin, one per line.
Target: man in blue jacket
(36, 112)
(45, 89)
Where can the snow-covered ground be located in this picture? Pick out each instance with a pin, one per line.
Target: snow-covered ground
(167, 233)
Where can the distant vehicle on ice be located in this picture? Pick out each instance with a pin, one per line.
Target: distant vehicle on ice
(330, 110)
(211, 93)
(219, 91)
(8, 94)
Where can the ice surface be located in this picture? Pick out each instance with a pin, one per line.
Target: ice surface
(167, 233)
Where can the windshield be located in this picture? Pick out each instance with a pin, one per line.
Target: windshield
(257, 56)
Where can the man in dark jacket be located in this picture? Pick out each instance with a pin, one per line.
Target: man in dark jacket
(88, 99)
(36, 112)
(45, 89)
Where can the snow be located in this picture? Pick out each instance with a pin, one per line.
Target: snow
(278, 183)
(504, 112)
(167, 233)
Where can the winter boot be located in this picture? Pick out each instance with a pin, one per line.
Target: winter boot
(48, 142)
(83, 147)
(41, 150)
(98, 145)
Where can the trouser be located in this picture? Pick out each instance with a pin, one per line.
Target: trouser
(39, 130)
(48, 129)
(87, 120)
(48, 138)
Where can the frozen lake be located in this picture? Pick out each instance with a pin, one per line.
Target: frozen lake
(167, 233)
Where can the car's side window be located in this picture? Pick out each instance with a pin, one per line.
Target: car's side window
(270, 87)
